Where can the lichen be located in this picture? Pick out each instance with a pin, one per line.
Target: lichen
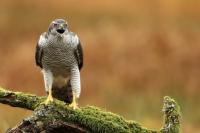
(171, 115)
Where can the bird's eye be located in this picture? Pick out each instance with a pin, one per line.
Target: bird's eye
(64, 25)
(55, 24)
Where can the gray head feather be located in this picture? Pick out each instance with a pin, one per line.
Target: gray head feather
(58, 27)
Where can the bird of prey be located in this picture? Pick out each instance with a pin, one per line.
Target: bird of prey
(59, 54)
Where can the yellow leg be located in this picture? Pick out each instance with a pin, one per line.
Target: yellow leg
(49, 98)
(74, 104)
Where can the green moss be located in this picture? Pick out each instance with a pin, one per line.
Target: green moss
(90, 118)
(3, 92)
(18, 99)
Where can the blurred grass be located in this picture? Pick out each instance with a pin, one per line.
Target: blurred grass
(135, 53)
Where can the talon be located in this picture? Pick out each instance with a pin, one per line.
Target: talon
(74, 104)
(49, 98)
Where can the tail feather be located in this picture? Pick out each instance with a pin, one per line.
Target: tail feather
(64, 93)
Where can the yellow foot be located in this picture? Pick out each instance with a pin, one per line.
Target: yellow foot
(49, 98)
(74, 104)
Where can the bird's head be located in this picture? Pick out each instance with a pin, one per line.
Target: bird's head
(58, 27)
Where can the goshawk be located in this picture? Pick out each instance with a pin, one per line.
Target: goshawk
(59, 54)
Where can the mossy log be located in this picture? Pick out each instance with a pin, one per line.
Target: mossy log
(57, 117)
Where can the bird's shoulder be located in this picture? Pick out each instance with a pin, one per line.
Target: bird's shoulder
(72, 38)
(42, 39)
(39, 49)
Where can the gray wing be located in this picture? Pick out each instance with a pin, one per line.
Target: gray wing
(39, 50)
(79, 55)
(38, 55)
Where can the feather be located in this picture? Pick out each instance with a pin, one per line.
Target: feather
(79, 55)
(38, 56)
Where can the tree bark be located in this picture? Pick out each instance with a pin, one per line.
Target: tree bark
(57, 117)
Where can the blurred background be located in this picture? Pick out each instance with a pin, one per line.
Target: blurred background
(135, 52)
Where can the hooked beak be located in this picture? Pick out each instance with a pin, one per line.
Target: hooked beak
(61, 31)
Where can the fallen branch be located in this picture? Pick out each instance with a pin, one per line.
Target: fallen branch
(58, 117)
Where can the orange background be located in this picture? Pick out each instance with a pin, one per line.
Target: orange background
(135, 52)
